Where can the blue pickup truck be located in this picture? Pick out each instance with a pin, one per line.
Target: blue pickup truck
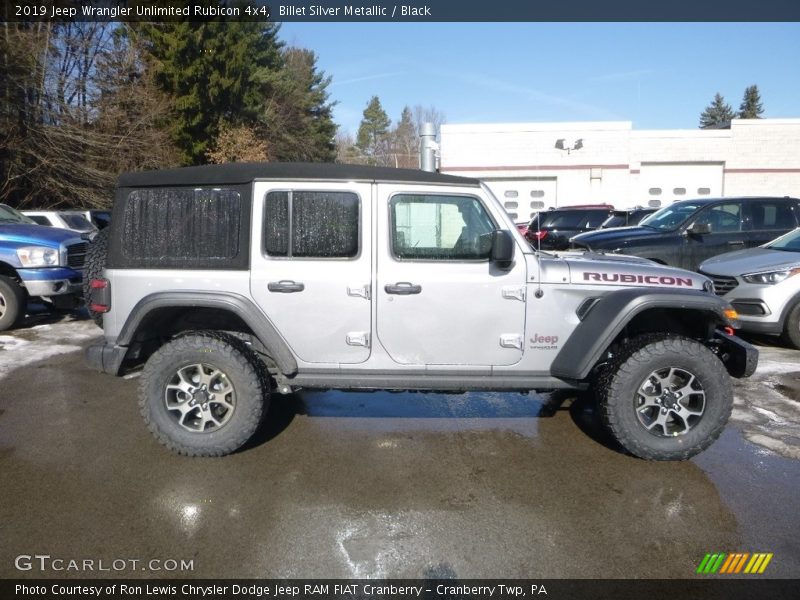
(37, 262)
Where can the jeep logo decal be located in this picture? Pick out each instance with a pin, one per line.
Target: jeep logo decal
(630, 278)
(544, 342)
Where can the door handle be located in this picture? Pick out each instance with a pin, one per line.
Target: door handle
(736, 243)
(403, 288)
(285, 286)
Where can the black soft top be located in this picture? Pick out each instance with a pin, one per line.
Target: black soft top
(238, 173)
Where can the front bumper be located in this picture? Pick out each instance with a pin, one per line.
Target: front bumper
(762, 308)
(739, 357)
(56, 281)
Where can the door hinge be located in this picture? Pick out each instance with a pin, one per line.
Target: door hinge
(358, 338)
(514, 292)
(359, 291)
(511, 340)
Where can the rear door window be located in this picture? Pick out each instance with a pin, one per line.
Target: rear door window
(311, 224)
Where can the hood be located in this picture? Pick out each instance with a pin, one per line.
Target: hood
(581, 255)
(752, 260)
(609, 239)
(23, 233)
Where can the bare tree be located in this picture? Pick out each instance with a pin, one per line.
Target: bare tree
(346, 150)
(75, 112)
(429, 114)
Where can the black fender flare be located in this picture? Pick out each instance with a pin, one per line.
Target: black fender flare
(237, 304)
(606, 317)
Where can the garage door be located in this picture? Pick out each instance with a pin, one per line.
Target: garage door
(522, 198)
(663, 183)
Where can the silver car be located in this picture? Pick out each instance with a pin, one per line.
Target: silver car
(763, 285)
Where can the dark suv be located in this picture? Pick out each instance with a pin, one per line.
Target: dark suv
(552, 229)
(686, 233)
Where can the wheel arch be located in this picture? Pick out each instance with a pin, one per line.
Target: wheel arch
(788, 307)
(624, 313)
(8, 271)
(167, 314)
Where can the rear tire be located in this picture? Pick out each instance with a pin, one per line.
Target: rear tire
(791, 329)
(665, 397)
(12, 303)
(204, 394)
(96, 255)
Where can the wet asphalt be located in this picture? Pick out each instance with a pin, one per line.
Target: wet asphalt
(352, 485)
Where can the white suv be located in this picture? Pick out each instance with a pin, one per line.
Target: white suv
(763, 285)
(62, 219)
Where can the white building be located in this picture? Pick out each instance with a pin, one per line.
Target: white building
(531, 166)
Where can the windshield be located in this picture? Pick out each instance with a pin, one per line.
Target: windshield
(789, 242)
(9, 215)
(75, 221)
(670, 218)
(569, 219)
(614, 221)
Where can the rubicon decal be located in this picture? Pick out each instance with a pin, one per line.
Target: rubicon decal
(735, 562)
(631, 278)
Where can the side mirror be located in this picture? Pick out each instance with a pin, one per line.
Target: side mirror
(502, 249)
(699, 229)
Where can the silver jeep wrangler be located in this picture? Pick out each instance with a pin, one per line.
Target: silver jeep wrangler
(231, 282)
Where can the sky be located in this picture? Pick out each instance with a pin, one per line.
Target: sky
(657, 75)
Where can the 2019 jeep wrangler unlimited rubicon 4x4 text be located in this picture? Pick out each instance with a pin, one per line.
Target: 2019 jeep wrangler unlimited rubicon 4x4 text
(231, 282)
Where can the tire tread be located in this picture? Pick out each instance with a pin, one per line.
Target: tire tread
(643, 350)
(236, 350)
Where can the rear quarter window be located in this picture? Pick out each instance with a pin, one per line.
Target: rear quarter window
(182, 227)
(778, 214)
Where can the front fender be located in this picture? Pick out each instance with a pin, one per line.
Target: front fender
(610, 313)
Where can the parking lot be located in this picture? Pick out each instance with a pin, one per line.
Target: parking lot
(351, 485)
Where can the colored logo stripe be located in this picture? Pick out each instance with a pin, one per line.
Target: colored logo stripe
(734, 563)
(758, 563)
(723, 563)
(711, 563)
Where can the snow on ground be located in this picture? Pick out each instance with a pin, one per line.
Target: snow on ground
(767, 405)
(29, 345)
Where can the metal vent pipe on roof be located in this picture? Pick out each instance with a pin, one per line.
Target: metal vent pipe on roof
(427, 147)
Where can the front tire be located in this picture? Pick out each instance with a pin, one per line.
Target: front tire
(204, 394)
(12, 303)
(665, 397)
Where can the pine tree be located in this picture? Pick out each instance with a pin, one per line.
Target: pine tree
(717, 115)
(298, 119)
(405, 142)
(215, 72)
(372, 138)
(751, 107)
